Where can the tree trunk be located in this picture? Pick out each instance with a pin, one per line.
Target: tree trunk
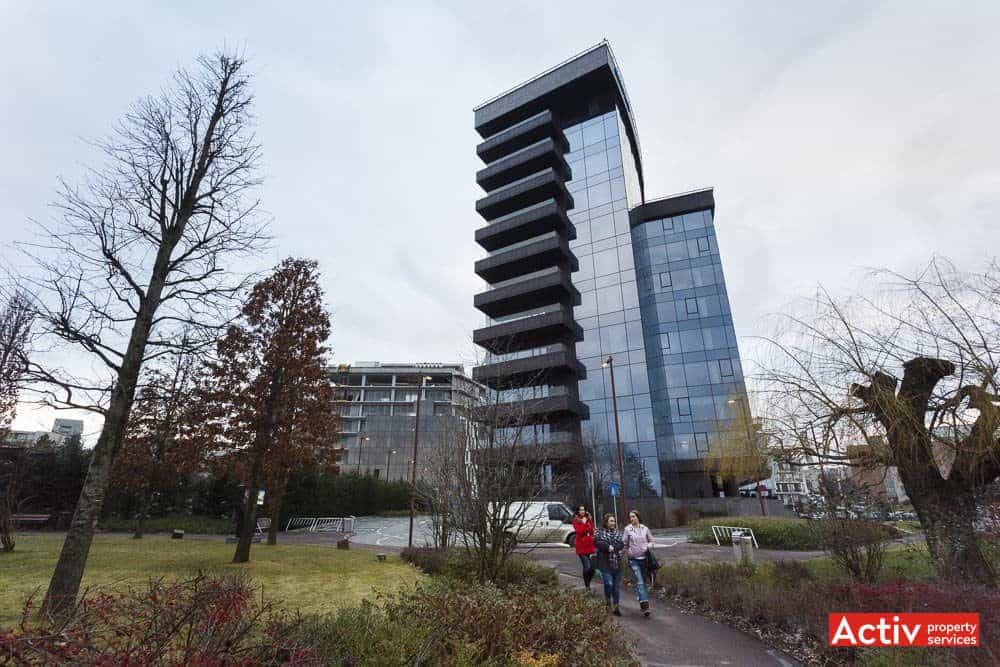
(249, 527)
(278, 494)
(262, 444)
(65, 583)
(948, 519)
(6, 527)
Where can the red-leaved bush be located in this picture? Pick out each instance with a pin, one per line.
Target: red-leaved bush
(200, 621)
(791, 603)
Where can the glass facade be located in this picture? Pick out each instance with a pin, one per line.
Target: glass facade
(603, 186)
(652, 298)
(693, 362)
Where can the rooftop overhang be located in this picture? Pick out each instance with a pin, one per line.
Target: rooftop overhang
(668, 207)
(563, 89)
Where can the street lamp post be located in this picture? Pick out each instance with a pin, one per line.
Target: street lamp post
(388, 461)
(745, 416)
(610, 364)
(413, 473)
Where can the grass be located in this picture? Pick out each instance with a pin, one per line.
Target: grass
(311, 579)
(908, 562)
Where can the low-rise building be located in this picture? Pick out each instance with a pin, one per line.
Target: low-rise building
(379, 408)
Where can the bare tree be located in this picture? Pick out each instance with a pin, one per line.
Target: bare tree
(906, 372)
(140, 251)
(15, 329)
(479, 486)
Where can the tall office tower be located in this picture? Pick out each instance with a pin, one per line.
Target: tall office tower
(586, 277)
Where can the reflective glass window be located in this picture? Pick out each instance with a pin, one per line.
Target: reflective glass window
(596, 163)
(677, 251)
(592, 134)
(602, 228)
(606, 262)
(609, 299)
(613, 339)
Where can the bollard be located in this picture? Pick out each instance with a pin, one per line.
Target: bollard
(742, 548)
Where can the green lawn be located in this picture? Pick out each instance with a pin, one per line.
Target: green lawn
(909, 562)
(308, 578)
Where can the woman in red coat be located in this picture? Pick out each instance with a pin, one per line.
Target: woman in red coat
(583, 543)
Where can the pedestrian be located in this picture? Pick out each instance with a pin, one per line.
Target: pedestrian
(638, 541)
(583, 543)
(609, 545)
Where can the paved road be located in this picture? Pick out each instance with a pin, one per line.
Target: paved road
(394, 532)
(671, 636)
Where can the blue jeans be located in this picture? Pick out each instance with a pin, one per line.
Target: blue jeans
(612, 584)
(587, 564)
(638, 567)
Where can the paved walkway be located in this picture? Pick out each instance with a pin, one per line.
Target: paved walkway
(670, 636)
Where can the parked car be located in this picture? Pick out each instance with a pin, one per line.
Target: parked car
(541, 521)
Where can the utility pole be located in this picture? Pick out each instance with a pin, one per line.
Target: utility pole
(610, 363)
(413, 473)
(388, 461)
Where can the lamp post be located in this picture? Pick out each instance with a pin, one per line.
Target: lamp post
(413, 473)
(610, 364)
(388, 460)
(745, 416)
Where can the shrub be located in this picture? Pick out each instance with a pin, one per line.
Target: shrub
(785, 601)
(201, 621)
(195, 525)
(456, 623)
(791, 573)
(458, 564)
(771, 532)
(857, 547)
(314, 493)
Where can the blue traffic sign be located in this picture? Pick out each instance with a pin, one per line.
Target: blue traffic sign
(613, 488)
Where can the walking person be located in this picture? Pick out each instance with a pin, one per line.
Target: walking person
(609, 545)
(638, 541)
(583, 543)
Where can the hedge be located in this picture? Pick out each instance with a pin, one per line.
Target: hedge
(771, 532)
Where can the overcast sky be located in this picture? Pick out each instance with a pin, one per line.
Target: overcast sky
(836, 135)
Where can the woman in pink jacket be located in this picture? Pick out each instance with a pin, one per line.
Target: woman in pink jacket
(638, 541)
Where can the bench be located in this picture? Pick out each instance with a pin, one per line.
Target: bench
(30, 519)
(726, 532)
(263, 525)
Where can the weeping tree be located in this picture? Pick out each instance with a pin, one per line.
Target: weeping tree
(140, 250)
(902, 373)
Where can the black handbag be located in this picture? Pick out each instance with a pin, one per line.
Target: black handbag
(651, 563)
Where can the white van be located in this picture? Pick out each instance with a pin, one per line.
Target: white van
(545, 521)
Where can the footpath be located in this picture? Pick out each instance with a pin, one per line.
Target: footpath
(671, 636)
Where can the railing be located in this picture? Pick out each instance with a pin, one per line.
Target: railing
(327, 524)
(726, 532)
